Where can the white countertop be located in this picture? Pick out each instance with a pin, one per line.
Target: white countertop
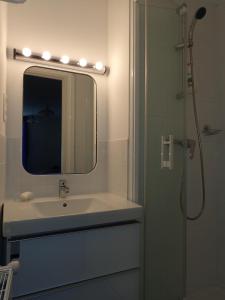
(21, 219)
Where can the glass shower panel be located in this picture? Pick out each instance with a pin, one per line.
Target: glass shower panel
(165, 107)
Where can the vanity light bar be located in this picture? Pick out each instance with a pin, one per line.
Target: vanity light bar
(46, 58)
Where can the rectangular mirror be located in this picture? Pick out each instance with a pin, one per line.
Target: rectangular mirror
(59, 122)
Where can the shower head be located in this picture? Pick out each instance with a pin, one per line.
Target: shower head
(200, 13)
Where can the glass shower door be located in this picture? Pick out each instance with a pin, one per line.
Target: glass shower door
(165, 107)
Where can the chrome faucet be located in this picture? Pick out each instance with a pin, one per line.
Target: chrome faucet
(63, 189)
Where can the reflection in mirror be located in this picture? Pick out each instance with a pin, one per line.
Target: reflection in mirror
(59, 122)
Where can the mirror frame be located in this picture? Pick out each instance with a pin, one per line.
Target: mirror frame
(96, 119)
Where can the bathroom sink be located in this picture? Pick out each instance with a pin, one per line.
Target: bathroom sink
(64, 207)
(51, 214)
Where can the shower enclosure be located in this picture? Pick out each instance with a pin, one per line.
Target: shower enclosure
(181, 126)
(165, 108)
(162, 57)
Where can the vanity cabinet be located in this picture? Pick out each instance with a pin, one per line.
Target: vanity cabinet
(121, 286)
(79, 264)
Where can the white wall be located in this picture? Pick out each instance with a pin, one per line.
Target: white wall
(118, 58)
(203, 242)
(78, 28)
(118, 94)
(3, 16)
(3, 12)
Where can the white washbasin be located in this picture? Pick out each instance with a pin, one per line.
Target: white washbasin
(51, 214)
(64, 207)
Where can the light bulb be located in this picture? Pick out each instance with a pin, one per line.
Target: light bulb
(65, 59)
(26, 52)
(83, 62)
(46, 55)
(99, 66)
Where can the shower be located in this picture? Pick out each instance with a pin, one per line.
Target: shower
(180, 244)
(199, 15)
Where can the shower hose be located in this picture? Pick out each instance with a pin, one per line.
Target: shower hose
(199, 142)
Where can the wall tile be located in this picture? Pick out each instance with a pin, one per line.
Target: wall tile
(202, 238)
(18, 180)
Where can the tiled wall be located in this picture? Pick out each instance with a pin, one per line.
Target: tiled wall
(110, 173)
(221, 206)
(117, 167)
(203, 235)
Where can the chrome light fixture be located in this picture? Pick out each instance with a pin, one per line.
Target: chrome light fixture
(26, 54)
(15, 1)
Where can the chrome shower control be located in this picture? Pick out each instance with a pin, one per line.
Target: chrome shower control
(188, 144)
(191, 147)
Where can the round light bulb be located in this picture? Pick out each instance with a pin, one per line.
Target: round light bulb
(65, 59)
(26, 52)
(83, 62)
(99, 66)
(46, 55)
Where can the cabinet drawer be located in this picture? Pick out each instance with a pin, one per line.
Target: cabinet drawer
(122, 286)
(57, 260)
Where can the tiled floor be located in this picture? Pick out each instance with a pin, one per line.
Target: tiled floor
(212, 293)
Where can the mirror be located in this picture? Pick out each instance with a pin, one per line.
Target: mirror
(59, 122)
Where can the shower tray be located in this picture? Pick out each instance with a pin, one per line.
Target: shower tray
(6, 275)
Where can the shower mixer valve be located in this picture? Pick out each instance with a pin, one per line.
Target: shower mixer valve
(167, 150)
(188, 144)
(191, 147)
